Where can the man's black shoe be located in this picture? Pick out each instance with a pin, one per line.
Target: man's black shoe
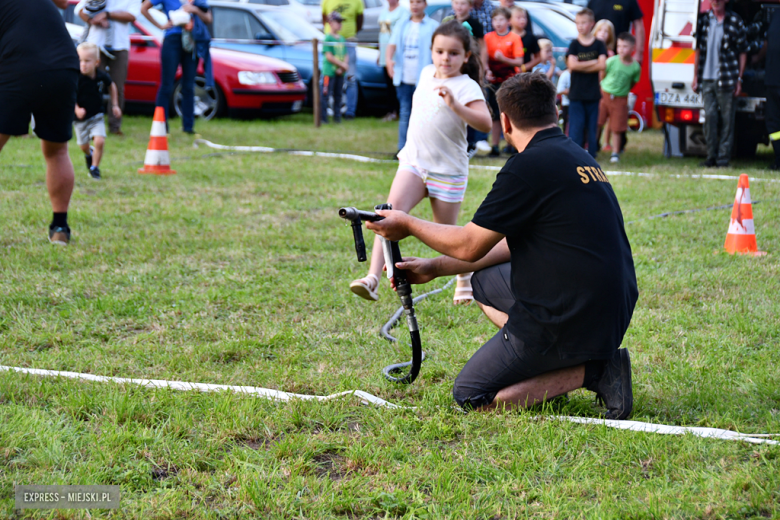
(494, 152)
(59, 235)
(722, 164)
(509, 150)
(709, 163)
(95, 172)
(614, 386)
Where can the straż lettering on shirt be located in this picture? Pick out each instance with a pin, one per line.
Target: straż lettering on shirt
(588, 173)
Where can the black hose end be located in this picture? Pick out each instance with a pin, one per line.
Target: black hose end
(407, 379)
(417, 358)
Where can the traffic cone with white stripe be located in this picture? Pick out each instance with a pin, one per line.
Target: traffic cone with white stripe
(157, 160)
(741, 237)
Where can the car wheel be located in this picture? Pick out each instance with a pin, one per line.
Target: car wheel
(209, 102)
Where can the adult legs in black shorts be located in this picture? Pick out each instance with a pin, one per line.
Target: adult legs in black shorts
(50, 97)
(506, 360)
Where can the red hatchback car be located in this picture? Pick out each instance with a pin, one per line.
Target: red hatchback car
(246, 84)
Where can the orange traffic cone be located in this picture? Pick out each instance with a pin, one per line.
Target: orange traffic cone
(157, 160)
(741, 237)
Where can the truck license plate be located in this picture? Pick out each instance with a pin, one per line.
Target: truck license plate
(677, 99)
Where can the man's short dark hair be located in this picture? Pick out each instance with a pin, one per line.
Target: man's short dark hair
(587, 12)
(627, 37)
(528, 100)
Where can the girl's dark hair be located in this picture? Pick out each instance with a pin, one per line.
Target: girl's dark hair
(471, 67)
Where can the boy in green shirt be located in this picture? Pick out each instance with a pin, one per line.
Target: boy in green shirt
(622, 73)
(334, 66)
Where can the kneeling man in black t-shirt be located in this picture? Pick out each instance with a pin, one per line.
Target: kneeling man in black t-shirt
(553, 266)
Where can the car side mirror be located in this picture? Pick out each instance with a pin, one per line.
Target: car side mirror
(264, 36)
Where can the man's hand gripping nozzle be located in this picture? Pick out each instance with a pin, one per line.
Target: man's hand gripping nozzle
(403, 288)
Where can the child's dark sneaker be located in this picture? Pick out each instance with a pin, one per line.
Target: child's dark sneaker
(94, 171)
(59, 235)
(88, 158)
(614, 386)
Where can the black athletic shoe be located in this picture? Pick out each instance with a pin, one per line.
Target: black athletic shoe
(88, 158)
(709, 163)
(722, 164)
(614, 386)
(95, 172)
(471, 150)
(59, 235)
(494, 152)
(509, 150)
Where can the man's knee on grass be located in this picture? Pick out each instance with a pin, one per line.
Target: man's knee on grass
(470, 398)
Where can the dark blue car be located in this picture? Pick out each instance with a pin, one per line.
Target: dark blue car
(243, 23)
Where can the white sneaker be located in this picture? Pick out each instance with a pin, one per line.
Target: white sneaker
(483, 147)
(615, 158)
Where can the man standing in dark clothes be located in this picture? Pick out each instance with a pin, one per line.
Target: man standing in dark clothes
(721, 45)
(39, 71)
(623, 14)
(553, 266)
(769, 28)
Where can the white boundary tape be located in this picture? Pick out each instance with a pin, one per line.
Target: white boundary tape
(361, 158)
(365, 397)
(267, 393)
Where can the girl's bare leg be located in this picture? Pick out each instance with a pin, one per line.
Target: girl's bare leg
(447, 213)
(406, 192)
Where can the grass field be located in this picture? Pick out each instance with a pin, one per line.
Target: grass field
(235, 271)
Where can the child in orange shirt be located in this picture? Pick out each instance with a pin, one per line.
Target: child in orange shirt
(505, 57)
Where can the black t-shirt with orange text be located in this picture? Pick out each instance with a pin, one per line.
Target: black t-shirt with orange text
(585, 85)
(573, 275)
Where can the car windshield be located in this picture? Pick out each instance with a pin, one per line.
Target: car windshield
(288, 27)
(554, 22)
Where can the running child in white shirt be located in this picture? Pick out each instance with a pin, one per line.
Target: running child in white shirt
(434, 161)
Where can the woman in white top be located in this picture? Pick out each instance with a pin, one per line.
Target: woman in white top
(434, 162)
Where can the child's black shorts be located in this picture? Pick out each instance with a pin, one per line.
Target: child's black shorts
(505, 359)
(48, 96)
